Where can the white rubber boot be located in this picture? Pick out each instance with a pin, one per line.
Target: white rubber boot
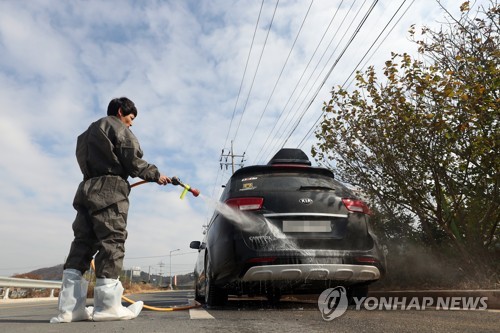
(108, 304)
(72, 298)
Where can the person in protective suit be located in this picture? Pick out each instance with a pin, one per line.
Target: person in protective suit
(107, 153)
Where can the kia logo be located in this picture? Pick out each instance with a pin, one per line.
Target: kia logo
(306, 201)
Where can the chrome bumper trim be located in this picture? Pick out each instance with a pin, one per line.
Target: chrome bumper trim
(304, 272)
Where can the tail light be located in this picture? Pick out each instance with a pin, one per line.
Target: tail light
(356, 206)
(366, 260)
(250, 203)
(261, 260)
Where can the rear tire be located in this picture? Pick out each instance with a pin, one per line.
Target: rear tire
(214, 296)
(273, 296)
(197, 296)
(356, 292)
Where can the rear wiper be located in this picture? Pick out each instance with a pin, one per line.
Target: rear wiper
(311, 188)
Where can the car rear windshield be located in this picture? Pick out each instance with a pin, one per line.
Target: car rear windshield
(282, 181)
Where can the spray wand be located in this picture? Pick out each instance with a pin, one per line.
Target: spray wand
(175, 181)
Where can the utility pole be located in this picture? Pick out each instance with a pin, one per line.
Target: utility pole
(171, 287)
(161, 264)
(231, 155)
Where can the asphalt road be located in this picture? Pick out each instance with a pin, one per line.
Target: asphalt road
(248, 315)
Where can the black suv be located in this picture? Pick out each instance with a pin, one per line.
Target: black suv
(292, 229)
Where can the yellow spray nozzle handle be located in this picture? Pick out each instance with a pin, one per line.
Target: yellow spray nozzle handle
(186, 190)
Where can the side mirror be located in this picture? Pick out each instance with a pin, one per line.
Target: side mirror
(195, 245)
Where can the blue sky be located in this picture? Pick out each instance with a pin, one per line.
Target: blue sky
(183, 64)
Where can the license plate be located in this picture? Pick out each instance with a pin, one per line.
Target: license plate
(307, 226)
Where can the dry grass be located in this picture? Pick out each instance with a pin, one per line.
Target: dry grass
(139, 288)
(421, 269)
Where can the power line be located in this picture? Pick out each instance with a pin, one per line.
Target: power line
(253, 81)
(331, 69)
(279, 135)
(244, 72)
(256, 70)
(300, 80)
(293, 119)
(280, 74)
(375, 41)
(309, 132)
(219, 176)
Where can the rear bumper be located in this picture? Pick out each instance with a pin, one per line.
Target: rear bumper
(323, 272)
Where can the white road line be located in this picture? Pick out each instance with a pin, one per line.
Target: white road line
(199, 314)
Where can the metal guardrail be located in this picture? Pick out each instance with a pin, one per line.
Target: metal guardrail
(7, 282)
